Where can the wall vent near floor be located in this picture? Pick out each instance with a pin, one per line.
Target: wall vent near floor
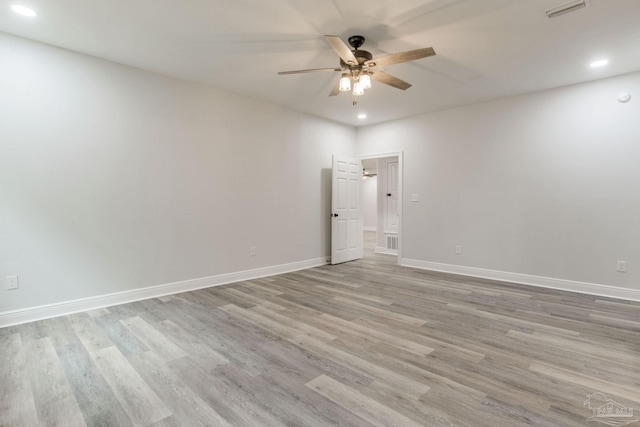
(392, 243)
(571, 6)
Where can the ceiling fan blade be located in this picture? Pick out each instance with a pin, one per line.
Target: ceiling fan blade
(342, 49)
(336, 89)
(388, 79)
(397, 58)
(311, 70)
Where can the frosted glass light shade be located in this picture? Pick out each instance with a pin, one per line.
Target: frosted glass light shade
(345, 83)
(365, 81)
(358, 89)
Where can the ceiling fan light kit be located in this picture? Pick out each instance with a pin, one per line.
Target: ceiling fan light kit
(358, 67)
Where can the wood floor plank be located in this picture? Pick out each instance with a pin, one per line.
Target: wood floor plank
(185, 404)
(574, 347)
(235, 405)
(86, 330)
(153, 339)
(616, 321)
(353, 294)
(95, 398)
(286, 394)
(118, 335)
(381, 374)
(421, 336)
(279, 394)
(17, 406)
(222, 333)
(59, 331)
(631, 393)
(360, 405)
(136, 397)
(98, 312)
(248, 296)
(392, 339)
(193, 346)
(387, 313)
(32, 331)
(292, 323)
(52, 394)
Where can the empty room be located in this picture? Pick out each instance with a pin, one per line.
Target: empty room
(296, 213)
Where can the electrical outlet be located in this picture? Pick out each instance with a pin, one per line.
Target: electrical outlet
(12, 283)
(252, 251)
(458, 249)
(621, 266)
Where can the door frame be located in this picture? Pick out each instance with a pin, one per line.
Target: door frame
(400, 156)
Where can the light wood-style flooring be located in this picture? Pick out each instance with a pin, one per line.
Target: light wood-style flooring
(358, 344)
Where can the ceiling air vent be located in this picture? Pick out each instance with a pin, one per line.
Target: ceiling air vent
(571, 6)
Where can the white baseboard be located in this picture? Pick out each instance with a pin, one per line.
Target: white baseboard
(525, 279)
(16, 317)
(385, 251)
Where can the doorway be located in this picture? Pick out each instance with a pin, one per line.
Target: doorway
(382, 204)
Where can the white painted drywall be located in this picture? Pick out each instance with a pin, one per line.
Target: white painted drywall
(370, 203)
(544, 184)
(113, 179)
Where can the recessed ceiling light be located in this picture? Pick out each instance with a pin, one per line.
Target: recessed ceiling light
(600, 63)
(23, 10)
(362, 116)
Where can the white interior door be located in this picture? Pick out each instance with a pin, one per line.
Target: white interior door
(346, 215)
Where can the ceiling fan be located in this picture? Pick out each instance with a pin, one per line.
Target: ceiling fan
(358, 67)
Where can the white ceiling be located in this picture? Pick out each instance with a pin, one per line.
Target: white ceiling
(485, 49)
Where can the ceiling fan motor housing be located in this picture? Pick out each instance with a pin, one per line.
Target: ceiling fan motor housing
(361, 56)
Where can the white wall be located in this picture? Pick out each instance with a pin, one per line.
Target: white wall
(370, 203)
(544, 184)
(113, 179)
